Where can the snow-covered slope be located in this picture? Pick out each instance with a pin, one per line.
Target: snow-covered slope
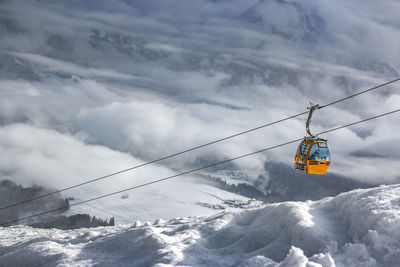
(358, 228)
(178, 198)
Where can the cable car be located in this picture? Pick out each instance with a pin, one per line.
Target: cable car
(312, 155)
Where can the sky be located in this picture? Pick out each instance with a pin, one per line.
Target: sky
(92, 87)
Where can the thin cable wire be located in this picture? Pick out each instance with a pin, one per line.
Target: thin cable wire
(188, 150)
(194, 170)
(153, 161)
(362, 92)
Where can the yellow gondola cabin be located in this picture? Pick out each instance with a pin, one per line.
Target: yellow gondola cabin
(312, 155)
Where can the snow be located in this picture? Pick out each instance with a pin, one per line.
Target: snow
(151, 203)
(357, 228)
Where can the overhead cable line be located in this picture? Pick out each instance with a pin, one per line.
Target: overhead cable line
(361, 92)
(194, 170)
(151, 162)
(191, 149)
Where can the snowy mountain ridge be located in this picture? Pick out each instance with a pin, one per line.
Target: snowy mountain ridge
(357, 228)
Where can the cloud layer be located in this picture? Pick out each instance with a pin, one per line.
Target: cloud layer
(112, 83)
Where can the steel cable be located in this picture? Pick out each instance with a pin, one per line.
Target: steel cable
(194, 170)
(191, 149)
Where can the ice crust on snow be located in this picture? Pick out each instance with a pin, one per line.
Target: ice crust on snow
(358, 228)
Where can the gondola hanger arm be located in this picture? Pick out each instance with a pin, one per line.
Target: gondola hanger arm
(312, 107)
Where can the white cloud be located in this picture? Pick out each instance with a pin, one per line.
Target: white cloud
(162, 47)
(40, 156)
(55, 65)
(160, 82)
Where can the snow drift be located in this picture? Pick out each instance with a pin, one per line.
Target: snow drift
(358, 228)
